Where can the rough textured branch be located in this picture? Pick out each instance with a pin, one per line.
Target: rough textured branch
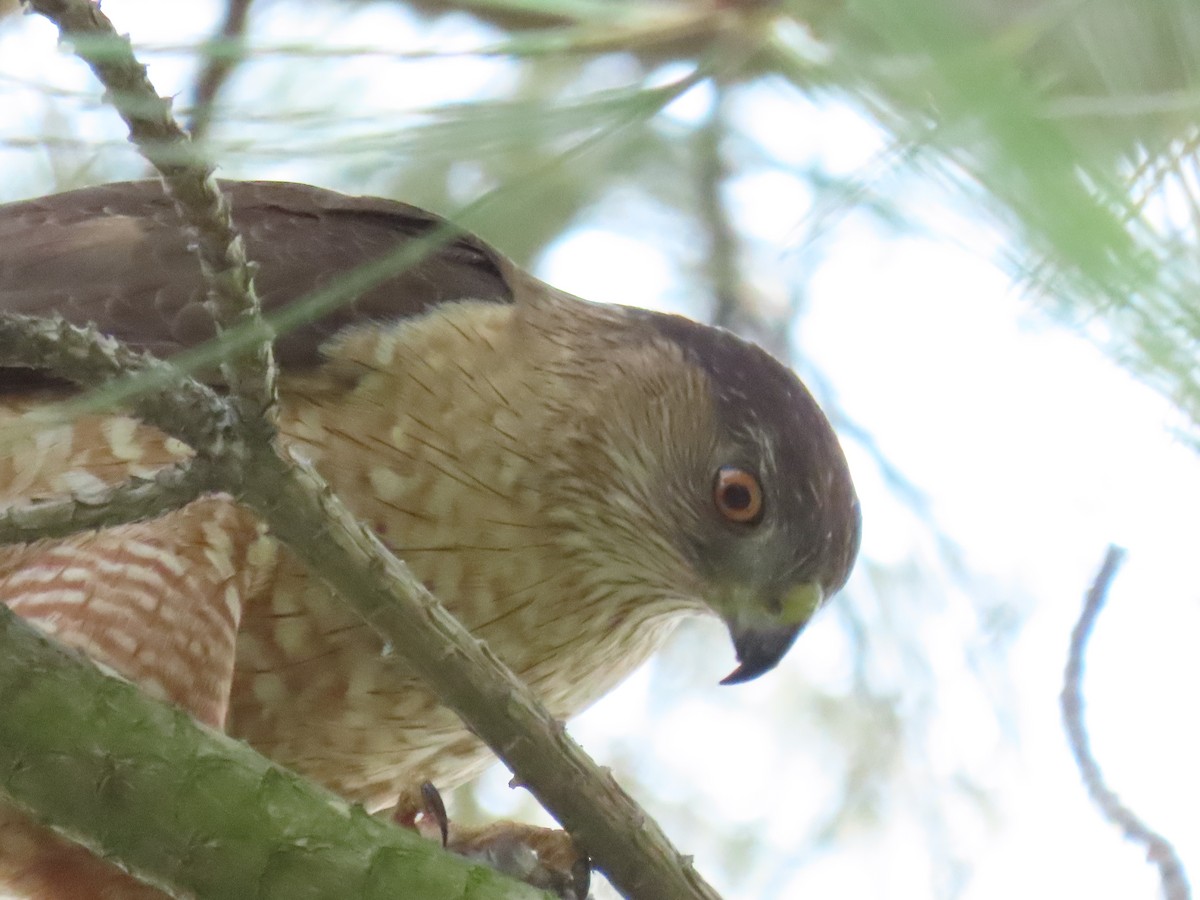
(188, 180)
(150, 388)
(622, 840)
(136, 500)
(1158, 849)
(188, 808)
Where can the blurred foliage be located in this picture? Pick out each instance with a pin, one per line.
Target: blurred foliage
(1071, 125)
(1075, 124)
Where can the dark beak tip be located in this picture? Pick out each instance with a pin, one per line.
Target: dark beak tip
(759, 652)
(740, 675)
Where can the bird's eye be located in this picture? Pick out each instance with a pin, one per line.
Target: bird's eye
(738, 495)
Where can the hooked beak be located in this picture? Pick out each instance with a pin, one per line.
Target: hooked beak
(760, 651)
(762, 642)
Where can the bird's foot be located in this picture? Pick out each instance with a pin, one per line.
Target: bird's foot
(545, 858)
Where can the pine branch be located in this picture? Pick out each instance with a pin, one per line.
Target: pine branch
(188, 180)
(185, 807)
(136, 500)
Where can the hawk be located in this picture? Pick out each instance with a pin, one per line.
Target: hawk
(569, 478)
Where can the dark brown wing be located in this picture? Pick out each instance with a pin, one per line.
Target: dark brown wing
(115, 256)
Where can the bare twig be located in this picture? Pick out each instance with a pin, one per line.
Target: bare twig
(1158, 849)
(198, 416)
(221, 56)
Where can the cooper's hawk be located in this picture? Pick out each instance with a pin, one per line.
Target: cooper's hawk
(569, 478)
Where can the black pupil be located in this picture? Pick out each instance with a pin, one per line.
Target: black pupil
(736, 496)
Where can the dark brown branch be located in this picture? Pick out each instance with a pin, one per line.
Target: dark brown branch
(1159, 850)
(221, 56)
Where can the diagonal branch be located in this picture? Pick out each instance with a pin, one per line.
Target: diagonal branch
(186, 807)
(188, 180)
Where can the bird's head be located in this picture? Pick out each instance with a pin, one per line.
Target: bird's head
(720, 476)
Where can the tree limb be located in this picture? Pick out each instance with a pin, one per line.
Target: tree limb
(188, 180)
(187, 808)
(721, 260)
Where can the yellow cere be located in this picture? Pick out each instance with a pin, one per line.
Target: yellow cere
(800, 603)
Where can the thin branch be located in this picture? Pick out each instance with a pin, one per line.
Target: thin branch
(1159, 850)
(222, 55)
(135, 500)
(623, 841)
(198, 416)
(188, 179)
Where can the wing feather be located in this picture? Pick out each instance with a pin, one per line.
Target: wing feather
(116, 256)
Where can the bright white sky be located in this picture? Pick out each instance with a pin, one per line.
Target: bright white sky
(1034, 451)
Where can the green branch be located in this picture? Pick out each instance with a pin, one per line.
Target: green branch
(184, 806)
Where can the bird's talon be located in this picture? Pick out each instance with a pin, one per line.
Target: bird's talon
(435, 809)
(545, 858)
(581, 877)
